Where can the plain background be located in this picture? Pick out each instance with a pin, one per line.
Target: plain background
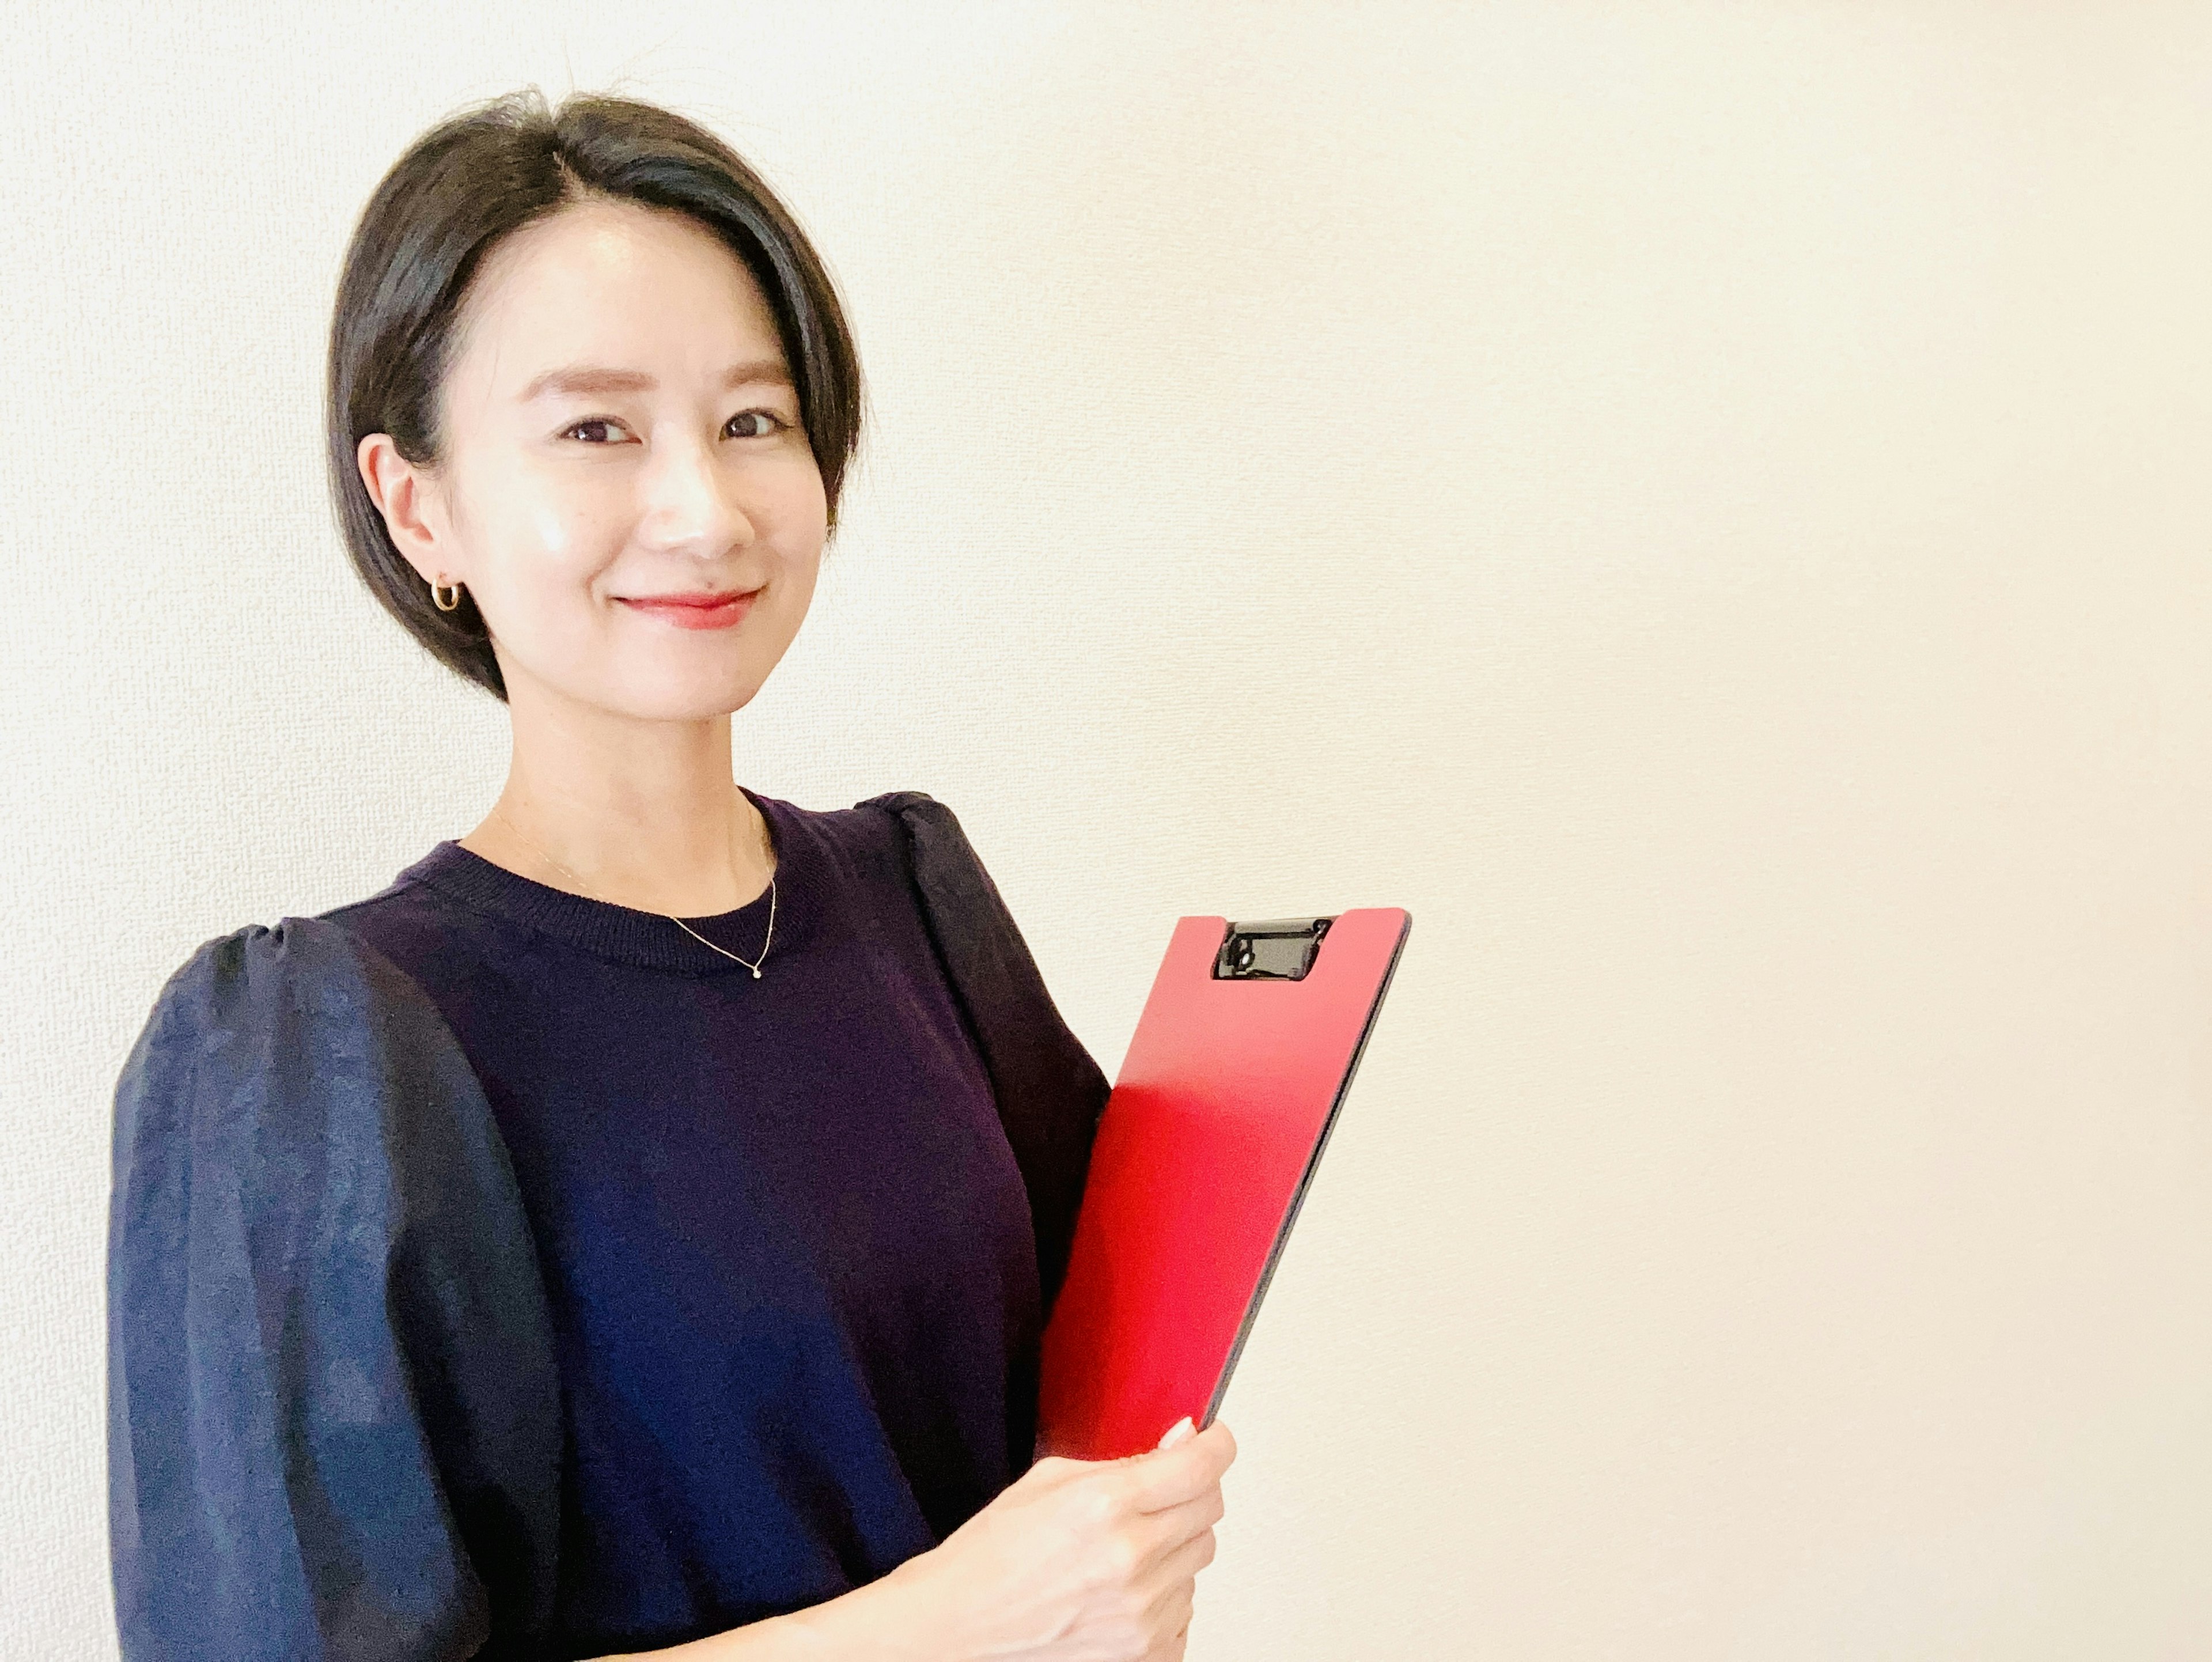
(1704, 504)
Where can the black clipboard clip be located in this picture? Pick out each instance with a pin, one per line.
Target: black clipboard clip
(1273, 949)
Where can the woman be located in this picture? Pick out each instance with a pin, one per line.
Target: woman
(629, 1232)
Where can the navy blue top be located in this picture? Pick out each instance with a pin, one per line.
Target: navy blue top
(787, 1248)
(496, 1272)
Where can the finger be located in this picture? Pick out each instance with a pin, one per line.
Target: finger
(1171, 1526)
(1184, 1561)
(1168, 1477)
(1171, 1612)
(1220, 1431)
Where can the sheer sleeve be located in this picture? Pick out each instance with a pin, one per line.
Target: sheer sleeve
(1050, 1092)
(333, 1412)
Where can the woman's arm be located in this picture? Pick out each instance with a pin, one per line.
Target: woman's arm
(1076, 1561)
(1049, 1091)
(333, 1408)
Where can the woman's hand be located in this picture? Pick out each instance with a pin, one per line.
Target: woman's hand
(1076, 1561)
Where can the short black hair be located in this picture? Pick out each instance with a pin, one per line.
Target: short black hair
(475, 179)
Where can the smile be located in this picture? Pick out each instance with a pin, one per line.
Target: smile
(694, 610)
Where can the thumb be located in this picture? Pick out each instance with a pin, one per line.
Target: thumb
(1181, 1431)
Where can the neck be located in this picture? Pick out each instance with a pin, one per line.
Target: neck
(643, 814)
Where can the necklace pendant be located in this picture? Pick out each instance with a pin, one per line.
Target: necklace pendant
(756, 975)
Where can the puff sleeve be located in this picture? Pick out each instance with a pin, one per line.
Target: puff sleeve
(333, 1409)
(1050, 1093)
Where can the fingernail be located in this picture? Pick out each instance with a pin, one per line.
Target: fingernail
(1180, 1429)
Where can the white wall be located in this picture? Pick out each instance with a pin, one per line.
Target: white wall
(1705, 504)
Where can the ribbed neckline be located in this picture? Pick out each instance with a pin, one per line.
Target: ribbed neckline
(622, 934)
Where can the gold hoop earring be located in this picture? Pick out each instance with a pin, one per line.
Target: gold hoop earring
(445, 605)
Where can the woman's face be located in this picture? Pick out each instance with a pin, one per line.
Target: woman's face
(618, 427)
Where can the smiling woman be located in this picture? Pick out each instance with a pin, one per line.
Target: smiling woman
(617, 439)
(573, 234)
(632, 1228)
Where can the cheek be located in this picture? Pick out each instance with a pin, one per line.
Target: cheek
(799, 567)
(573, 523)
(802, 510)
(794, 565)
(796, 546)
(545, 538)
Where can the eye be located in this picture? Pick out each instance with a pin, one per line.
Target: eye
(768, 420)
(596, 429)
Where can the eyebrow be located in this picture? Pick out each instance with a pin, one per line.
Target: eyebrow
(585, 379)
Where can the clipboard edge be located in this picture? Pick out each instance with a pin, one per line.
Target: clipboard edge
(1305, 1178)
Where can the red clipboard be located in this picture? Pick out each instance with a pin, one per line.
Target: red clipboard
(1212, 1132)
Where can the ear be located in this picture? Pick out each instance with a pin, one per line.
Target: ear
(413, 509)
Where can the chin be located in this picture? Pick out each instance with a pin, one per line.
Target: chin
(654, 687)
(698, 701)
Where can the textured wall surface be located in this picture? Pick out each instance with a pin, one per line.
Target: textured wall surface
(1705, 504)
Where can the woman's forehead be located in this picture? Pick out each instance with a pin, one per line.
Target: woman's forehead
(616, 286)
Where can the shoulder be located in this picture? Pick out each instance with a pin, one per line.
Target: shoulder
(300, 1023)
(259, 977)
(906, 809)
(928, 834)
(958, 891)
(942, 861)
(887, 839)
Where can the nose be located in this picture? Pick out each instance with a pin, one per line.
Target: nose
(692, 501)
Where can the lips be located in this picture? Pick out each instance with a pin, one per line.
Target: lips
(713, 610)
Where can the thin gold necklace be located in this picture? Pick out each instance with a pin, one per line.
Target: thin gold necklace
(751, 963)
